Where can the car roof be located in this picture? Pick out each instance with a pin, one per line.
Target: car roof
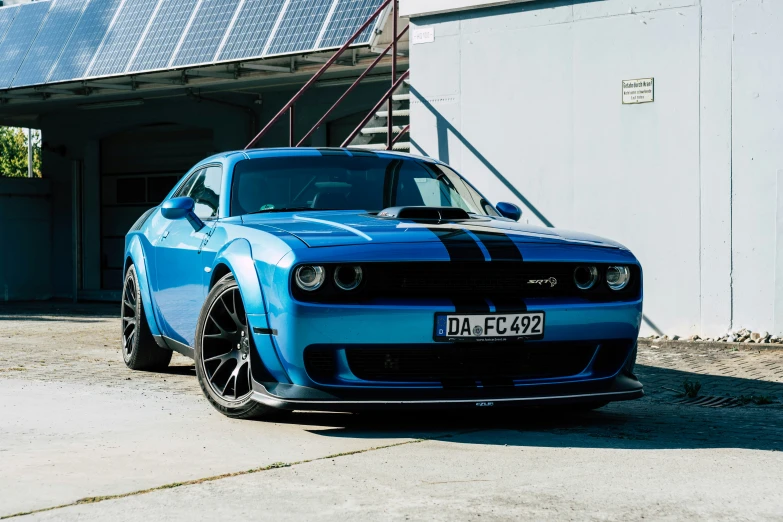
(313, 151)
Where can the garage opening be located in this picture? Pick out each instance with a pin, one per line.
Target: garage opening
(138, 169)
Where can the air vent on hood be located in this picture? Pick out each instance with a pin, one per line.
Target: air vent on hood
(424, 213)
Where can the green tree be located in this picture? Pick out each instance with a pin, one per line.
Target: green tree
(13, 152)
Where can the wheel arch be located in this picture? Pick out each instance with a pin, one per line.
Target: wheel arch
(237, 258)
(135, 255)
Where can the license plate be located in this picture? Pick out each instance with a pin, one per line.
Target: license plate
(489, 327)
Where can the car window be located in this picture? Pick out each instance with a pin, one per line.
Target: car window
(342, 182)
(205, 191)
(467, 192)
(184, 189)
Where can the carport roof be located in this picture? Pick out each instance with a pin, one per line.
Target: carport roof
(49, 47)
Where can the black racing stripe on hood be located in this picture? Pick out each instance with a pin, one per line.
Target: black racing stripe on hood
(499, 245)
(459, 244)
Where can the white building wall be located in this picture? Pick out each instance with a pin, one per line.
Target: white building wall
(757, 181)
(525, 100)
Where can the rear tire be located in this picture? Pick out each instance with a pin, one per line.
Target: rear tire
(223, 342)
(139, 349)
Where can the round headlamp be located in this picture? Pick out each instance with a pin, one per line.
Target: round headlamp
(348, 277)
(585, 277)
(310, 278)
(617, 277)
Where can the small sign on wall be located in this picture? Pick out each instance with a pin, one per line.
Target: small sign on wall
(423, 35)
(641, 90)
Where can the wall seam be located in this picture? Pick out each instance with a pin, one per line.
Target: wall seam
(701, 192)
(731, 177)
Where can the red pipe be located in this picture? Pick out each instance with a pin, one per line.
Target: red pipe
(291, 126)
(400, 135)
(386, 96)
(320, 72)
(350, 89)
(390, 120)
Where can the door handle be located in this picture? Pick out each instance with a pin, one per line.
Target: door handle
(165, 234)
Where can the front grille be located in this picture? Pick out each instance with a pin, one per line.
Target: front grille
(456, 279)
(474, 280)
(320, 364)
(469, 362)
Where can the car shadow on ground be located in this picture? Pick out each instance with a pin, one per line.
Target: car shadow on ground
(667, 382)
(181, 370)
(58, 311)
(658, 421)
(640, 425)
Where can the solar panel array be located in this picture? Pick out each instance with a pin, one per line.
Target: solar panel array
(17, 39)
(52, 37)
(168, 27)
(251, 31)
(62, 40)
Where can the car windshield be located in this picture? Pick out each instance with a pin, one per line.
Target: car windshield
(342, 182)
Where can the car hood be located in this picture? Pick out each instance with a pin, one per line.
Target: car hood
(343, 228)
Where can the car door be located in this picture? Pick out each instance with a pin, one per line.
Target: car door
(182, 254)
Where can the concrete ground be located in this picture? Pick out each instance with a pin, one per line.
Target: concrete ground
(83, 438)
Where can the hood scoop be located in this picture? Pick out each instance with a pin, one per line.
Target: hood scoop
(424, 213)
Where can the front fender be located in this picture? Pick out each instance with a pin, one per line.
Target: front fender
(136, 252)
(238, 257)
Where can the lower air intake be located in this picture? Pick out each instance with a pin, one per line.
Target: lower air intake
(489, 364)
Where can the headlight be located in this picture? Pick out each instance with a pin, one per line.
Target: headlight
(310, 278)
(348, 277)
(617, 277)
(585, 277)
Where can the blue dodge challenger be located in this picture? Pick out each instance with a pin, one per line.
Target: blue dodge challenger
(341, 280)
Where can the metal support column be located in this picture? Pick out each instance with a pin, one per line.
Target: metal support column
(76, 202)
(30, 153)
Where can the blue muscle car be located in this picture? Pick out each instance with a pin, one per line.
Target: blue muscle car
(340, 280)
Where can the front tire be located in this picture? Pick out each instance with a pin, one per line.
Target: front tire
(139, 349)
(223, 344)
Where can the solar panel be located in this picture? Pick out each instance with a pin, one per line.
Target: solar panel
(85, 40)
(206, 32)
(251, 31)
(54, 33)
(18, 39)
(121, 40)
(6, 17)
(347, 18)
(64, 40)
(300, 26)
(163, 35)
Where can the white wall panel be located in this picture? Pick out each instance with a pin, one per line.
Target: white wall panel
(715, 168)
(692, 183)
(757, 114)
(636, 167)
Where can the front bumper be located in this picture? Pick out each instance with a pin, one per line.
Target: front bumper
(395, 328)
(623, 386)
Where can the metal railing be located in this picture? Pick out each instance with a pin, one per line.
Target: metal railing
(288, 108)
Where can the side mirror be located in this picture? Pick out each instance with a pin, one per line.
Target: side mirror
(509, 210)
(179, 208)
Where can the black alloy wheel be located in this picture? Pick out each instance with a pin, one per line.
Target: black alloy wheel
(139, 349)
(226, 347)
(223, 348)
